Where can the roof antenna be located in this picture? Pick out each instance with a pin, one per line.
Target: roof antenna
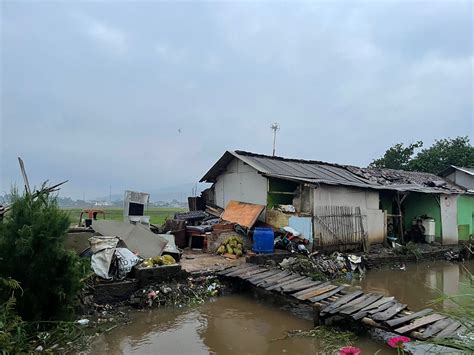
(275, 127)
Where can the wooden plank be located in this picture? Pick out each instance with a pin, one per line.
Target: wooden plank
(389, 312)
(418, 323)
(240, 270)
(449, 330)
(247, 272)
(276, 277)
(296, 278)
(279, 281)
(395, 322)
(259, 277)
(228, 270)
(302, 285)
(353, 309)
(342, 300)
(317, 287)
(436, 327)
(365, 311)
(377, 304)
(382, 307)
(326, 295)
(314, 293)
(351, 303)
(262, 274)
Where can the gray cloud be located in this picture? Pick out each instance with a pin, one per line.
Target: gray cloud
(96, 92)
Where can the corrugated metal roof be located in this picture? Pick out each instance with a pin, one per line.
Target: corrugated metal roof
(452, 168)
(318, 172)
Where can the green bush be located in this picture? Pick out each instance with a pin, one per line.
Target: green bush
(32, 252)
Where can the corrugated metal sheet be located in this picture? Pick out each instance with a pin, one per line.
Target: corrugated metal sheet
(317, 172)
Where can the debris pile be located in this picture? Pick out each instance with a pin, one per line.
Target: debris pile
(193, 290)
(324, 267)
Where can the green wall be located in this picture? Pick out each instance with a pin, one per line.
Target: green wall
(386, 201)
(417, 204)
(465, 216)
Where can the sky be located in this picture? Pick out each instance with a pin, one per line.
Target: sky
(146, 95)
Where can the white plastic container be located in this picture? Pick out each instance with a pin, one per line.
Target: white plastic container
(430, 227)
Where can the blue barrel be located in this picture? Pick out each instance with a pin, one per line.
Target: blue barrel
(263, 240)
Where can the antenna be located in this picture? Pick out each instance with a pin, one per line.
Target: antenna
(275, 127)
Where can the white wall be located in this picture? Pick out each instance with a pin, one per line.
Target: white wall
(367, 200)
(449, 219)
(240, 182)
(464, 180)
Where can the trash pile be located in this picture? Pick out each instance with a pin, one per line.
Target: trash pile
(291, 240)
(194, 290)
(324, 267)
(231, 246)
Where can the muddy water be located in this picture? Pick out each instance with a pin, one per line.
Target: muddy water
(242, 324)
(418, 284)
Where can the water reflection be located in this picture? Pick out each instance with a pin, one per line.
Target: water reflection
(418, 284)
(241, 324)
(235, 324)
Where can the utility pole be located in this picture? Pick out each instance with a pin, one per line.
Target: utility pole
(275, 127)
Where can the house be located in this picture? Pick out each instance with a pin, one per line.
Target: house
(343, 204)
(463, 177)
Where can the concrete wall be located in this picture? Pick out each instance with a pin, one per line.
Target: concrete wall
(367, 200)
(465, 216)
(449, 221)
(242, 183)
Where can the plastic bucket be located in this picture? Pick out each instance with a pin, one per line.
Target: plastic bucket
(263, 240)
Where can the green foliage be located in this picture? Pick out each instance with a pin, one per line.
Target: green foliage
(409, 249)
(32, 252)
(443, 153)
(397, 157)
(331, 339)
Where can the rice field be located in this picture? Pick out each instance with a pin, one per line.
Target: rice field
(157, 214)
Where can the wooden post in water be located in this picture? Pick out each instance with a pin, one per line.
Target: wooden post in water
(316, 314)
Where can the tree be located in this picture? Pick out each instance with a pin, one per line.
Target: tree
(32, 252)
(397, 157)
(443, 153)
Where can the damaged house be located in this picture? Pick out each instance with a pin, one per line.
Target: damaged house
(338, 206)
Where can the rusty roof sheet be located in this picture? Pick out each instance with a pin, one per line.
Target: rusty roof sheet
(318, 172)
(242, 213)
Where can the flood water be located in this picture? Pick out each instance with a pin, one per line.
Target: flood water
(243, 324)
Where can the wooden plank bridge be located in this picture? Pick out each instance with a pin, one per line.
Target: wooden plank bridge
(329, 300)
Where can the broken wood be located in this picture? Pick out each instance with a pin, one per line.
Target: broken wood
(314, 293)
(436, 327)
(343, 300)
(419, 323)
(326, 295)
(389, 313)
(353, 309)
(395, 322)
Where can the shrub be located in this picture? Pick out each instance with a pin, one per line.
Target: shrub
(32, 252)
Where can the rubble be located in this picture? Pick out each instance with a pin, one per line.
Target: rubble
(191, 291)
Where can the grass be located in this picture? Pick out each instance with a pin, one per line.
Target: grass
(157, 214)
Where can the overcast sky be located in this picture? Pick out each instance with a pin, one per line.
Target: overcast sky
(144, 95)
